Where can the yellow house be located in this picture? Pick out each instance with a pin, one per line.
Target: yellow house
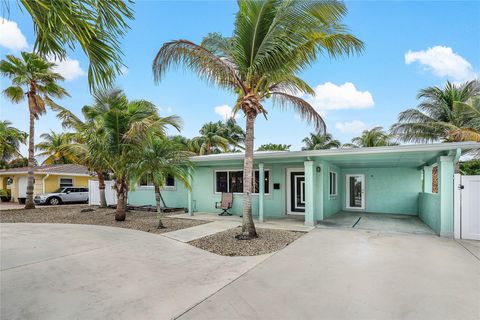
(48, 178)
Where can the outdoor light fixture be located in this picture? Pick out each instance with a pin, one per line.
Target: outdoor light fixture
(319, 169)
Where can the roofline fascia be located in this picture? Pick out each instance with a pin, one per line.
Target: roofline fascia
(320, 153)
(49, 173)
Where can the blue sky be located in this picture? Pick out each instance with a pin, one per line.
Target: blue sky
(408, 46)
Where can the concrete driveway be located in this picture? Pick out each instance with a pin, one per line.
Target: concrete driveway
(57, 271)
(355, 274)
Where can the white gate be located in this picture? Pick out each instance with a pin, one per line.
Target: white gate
(94, 193)
(467, 207)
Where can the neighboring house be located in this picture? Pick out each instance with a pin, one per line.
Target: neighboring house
(48, 178)
(317, 184)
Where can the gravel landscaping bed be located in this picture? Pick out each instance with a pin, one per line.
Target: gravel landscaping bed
(138, 220)
(225, 244)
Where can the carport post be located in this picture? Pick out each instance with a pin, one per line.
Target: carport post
(309, 192)
(261, 191)
(446, 170)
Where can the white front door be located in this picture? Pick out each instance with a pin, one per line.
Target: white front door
(296, 191)
(22, 187)
(355, 191)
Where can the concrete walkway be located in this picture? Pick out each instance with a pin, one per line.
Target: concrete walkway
(200, 231)
(354, 274)
(63, 271)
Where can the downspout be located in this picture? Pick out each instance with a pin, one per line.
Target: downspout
(43, 181)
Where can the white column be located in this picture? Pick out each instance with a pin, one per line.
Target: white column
(261, 191)
(189, 195)
(309, 193)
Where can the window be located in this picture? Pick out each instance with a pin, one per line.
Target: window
(232, 181)
(435, 179)
(147, 181)
(333, 183)
(66, 182)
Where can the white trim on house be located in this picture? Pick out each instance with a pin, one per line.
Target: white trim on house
(347, 191)
(49, 173)
(313, 153)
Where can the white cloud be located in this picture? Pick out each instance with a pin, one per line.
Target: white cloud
(443, 62)
(68, 68)
(166, 110)
(354, 127)
(329, 96)
(124, 71)
(11, 37)
(225, 111)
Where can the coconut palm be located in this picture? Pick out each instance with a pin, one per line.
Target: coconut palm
(126, 124)
(88, 145)
(436, 118)
(234, 134)
(272, 42)
(95, 25)
(212, 139)
(375, 137)
(55, 148)
(161, 158)
(318, 141)
(32, 78)
(469, 111)
(274, 147)
(10, 140)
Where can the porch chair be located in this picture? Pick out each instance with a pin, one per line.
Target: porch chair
(225, 204)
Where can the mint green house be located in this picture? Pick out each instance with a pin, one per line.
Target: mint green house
(319, 184)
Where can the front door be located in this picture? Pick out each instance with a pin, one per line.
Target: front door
(355, 191)
(296, 187)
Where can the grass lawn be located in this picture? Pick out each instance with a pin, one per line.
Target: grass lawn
(138, 220)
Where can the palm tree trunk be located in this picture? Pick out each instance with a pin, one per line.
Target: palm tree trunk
(101, 189)
(248, 227)
(159, 210)
(120, 214)
(29, 203)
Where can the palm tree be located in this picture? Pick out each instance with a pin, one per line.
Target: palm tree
(234, 134)
(32, 77)
(56, 148)
(88, 145)
(161, 158)
(469, 111)
(10, 140)
(272, 42)
(126, 124)
(274, 147)
(436, 117)
(95, 25)
(318, 141)
(375, 137)
(212, 139)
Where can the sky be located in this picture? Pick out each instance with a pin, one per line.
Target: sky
(408, 46)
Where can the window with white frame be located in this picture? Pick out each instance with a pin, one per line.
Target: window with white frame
(66, 182)
(333, 183)
(147, 181)
(232, 181)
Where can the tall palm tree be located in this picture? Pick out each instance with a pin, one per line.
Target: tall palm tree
(32, 78)
(212, 139)
(126, 125)
(95, 25)
(318, 141)
(375, 137)
(10, 140)
(274, 147)
(469, 111)
(272, 42)
(56, 148)
(161, 158)
(88, 145)
(436, 118)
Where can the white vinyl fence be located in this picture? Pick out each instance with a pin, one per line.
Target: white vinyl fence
(94, 193)
(467, 207)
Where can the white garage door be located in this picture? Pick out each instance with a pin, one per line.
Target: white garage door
(22, 187)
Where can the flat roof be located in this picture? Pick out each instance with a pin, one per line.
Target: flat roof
(403, 155)
(55, 169)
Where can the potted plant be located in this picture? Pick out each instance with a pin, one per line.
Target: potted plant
(5, 195)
